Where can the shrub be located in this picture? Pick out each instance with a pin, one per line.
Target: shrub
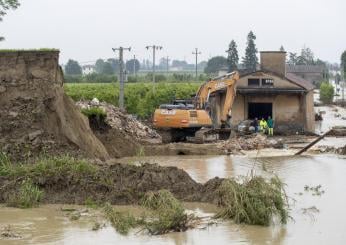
(91, 78)
(326, 92)
(254, 202)
(95, 112)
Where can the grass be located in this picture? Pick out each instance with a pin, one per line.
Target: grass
(26, 193)
(28, 196)
(140, 98)
(47, 166)
(95, 112)
(255, 201)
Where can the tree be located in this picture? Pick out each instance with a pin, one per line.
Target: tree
(115, 64)
(343, 64)
(201, 65)
(232, 58)
(107, 69)
(215, 64)
(326, 92)
(73, 68)
(133, 63)
(99, 66)
(6, 5)
(337, 78)
(293, 57)
(250, 60)
(282, 49)
(307, 56)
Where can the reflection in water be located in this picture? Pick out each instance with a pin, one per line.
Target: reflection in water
(47, 225)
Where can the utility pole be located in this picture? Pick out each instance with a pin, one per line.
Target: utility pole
(134, 65)
(121, 74)
(196, 53)
(167, 64)
(154, 47)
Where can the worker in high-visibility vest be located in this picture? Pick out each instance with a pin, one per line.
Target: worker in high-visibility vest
(270, 124)
(263, 125)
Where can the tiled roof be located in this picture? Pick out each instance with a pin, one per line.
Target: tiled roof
(300, 81)
(304, 68)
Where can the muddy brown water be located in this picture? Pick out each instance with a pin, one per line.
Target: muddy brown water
(323, 223)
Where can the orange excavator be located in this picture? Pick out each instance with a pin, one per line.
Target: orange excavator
(192, 118)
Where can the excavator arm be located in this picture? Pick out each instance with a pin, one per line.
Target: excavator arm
(227, 82)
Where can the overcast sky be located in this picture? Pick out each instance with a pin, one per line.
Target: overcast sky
(86, 30)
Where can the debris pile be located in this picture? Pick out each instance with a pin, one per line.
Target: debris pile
(251, 142)
(119, 120)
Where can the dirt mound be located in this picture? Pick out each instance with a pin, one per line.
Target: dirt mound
(35, 114)
(250, 142)
(117, 183)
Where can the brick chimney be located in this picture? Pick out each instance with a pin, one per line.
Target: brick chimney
(274, 61)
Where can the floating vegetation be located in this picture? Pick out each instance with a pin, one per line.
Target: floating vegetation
(168, 214)
(165, 214)
(255, 201)
(9, 233)
(316, 190)
(311, 211)
(122, 222)
(97, 226)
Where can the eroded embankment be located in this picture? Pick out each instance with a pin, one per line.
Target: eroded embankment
(70, 181)
(35, 114)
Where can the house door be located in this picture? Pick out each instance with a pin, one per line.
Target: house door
(260, 110)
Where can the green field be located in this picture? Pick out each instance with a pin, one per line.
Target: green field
(140, 98)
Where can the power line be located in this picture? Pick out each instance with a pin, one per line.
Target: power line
(121, 74)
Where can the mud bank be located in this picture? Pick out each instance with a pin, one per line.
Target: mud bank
(35, 114)
(117, 183)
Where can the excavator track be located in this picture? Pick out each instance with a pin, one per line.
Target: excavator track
(209, 135)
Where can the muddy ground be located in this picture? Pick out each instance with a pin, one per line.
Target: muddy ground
(117, 184)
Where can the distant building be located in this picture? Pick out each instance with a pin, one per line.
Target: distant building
(271, 91)
(88, 69)
(313, 73)
(222, 71)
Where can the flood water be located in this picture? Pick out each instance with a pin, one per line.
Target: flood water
(324, 223)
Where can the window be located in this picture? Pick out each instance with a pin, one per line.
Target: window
(253, 82)
(267, 82)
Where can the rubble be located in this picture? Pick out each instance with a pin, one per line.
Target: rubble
(120, 120)
(251, 142)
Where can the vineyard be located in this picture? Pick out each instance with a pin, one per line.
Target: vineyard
(140, 98)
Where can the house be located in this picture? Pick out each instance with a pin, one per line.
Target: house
(271, 91)
(222, 71)
(88, 69)
(313, 73)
